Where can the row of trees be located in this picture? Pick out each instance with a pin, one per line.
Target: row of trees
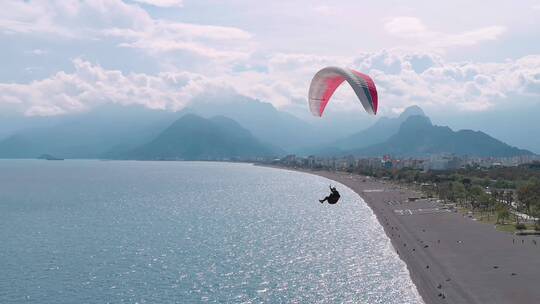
(515, 189)
(499, 190)
(525, 199)
(476, 198)
(528, 197)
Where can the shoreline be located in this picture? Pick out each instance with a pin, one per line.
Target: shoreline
(450, 258)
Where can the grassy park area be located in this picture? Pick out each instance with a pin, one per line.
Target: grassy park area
(506, 197)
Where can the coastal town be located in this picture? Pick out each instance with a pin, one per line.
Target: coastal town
(501, 191)
(434, 162)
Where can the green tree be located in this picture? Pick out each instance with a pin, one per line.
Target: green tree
(502, 214)
(529, 195)
(475, 193)
(443, 190)
(467, 183)
(459, 192)
(509, 197)
(496, 194)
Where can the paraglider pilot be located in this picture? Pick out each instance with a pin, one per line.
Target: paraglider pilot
(333, 197)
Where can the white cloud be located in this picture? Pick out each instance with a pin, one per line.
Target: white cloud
(90, 85)
(460, 86)
(159, 46)
(195, 59)
(37, 52)
(414, 29)
(470, 37)
(70, 18)
(408, 27)
(326, 10)
(215, 42)
(129, 24)
(403, 78)
(162, 3)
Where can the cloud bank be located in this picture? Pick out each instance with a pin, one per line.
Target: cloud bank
(195, 59)
(402, 78)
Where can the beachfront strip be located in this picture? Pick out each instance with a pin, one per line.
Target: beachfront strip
(504, 195)
(451, 257)
(467, 234)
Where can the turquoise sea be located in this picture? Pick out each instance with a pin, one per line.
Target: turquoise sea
(88, 231)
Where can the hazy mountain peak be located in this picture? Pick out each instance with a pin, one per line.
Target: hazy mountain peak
(381, 130)
(411, 111)
(416, 121)
(193, 137)
(418, 137)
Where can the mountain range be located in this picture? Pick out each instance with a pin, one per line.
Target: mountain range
(418, 137)
(192, 137)
(377, 133)
(277, 128)
(87, 135)
(237, 128)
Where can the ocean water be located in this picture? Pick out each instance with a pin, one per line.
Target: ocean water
(182, 232)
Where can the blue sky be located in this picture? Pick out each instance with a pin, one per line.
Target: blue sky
(454, 59)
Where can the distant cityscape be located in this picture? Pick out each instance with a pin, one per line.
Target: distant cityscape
(435, 162)
(495, 185)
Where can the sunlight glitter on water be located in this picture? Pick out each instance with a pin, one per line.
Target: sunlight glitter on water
(129, 232)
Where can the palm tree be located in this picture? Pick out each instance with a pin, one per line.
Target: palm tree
(475, 193)
(502, 213)
(496, 194)
(459, 192)
(509, 197)
(526, 196)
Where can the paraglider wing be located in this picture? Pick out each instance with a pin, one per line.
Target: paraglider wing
(327, 80)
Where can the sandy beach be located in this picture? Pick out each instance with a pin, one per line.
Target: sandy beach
(451, 258)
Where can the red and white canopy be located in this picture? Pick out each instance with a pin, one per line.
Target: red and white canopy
(327, 80)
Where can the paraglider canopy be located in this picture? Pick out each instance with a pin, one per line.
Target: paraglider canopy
(326, 81)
